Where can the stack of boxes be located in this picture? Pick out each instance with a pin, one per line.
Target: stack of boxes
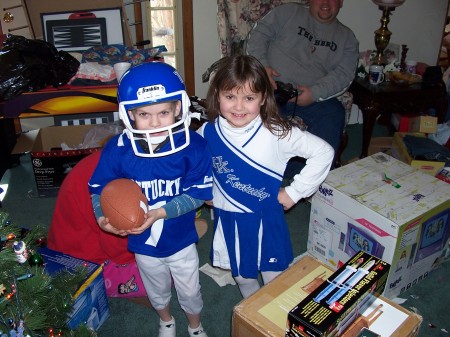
(333, 306)
(400, 151)
(276, 309)
(414, 126)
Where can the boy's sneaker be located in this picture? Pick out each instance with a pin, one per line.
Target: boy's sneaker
(198, 332)
(167, 329)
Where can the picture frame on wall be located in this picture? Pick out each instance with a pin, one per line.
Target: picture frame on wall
(81, 30)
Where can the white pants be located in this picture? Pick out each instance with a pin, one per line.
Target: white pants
(182, 267)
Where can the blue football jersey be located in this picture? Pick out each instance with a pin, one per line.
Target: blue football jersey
(161, 179)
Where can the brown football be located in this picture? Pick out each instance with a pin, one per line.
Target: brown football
(123, 203)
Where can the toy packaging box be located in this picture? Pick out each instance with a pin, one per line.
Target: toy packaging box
(385, 207)
(50, 162)
(90, 304)
(336, 303)
(265, 313)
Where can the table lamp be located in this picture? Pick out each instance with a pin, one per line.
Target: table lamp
(382, 34)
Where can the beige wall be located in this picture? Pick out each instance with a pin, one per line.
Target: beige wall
(418, 24)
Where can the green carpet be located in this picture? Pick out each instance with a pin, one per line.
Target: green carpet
(429, 298)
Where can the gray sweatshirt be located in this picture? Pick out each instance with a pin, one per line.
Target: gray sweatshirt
(305, 51)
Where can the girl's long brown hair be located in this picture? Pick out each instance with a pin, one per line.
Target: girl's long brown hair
(234, 72)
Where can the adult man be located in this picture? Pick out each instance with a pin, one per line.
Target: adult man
(315, 52)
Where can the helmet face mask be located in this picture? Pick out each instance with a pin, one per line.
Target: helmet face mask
(153, 83)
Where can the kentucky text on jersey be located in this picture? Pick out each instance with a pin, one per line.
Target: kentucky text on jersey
(154, 189)
(246, 188)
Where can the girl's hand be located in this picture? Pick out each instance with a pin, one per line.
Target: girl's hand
(285, 200)
(104, 224)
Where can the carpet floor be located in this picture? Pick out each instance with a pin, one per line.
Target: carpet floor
(429, 298)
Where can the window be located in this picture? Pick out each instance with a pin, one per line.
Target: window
(170, 24)
(162, 28)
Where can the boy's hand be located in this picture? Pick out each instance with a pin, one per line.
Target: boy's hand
(151, 217)
(104, 224)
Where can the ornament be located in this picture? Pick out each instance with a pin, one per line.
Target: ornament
(20, 329)
(41, 241)
(2, 289)
(36, 260)
(21, 251)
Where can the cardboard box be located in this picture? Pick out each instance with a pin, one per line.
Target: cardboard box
(425, 124)
(414, 123)
(90, 302)
(50, 163)
(264, 314)
(401, 122)
(335, 304)
(400, 151)
(387, 207)
(380, 144)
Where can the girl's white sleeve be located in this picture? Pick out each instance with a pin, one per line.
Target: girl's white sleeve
(319, 156)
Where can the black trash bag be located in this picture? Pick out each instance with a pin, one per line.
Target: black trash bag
(31, 65)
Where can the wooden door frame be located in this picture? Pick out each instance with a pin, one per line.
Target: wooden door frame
(188, 47)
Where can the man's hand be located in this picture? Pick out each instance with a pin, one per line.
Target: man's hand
(304, 96)
(272, 73)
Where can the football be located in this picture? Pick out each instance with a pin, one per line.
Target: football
(123, 203)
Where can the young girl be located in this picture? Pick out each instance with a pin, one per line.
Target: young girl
(250, 145)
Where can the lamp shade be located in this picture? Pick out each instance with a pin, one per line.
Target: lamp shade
(388, 3)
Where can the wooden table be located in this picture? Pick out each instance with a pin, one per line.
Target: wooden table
(387, 98)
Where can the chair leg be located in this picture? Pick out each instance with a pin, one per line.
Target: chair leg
(342, 146)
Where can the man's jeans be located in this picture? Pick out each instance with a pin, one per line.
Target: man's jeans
(324, 119)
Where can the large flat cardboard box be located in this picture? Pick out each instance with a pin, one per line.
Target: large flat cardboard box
(380, 144)
(400, 151)
(387, 208)
(90, 304)
(264, 314)
(50, 163)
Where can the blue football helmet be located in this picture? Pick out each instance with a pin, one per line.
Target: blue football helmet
(150, 83)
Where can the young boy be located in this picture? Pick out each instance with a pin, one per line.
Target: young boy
(173, 167)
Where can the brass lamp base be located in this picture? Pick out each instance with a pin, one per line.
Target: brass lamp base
(382, 35)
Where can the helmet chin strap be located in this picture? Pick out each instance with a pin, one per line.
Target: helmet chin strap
(159, 141)
(156, 140)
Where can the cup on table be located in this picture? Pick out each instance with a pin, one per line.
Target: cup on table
(411, 66)
(120, 69)
(376, 74)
